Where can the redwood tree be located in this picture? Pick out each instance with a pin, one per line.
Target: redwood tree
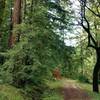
(15, 19)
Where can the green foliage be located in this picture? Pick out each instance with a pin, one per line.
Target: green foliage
(2, 8)
(32, 60)
(41, 48)
(6, 92)
(52, 95)
(83, 79)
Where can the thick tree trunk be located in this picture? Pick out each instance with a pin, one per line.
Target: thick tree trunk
(96, 72)
(17, 16)
(95, 78)
(16, 19)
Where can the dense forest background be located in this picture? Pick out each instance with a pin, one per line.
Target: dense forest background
(38, 36)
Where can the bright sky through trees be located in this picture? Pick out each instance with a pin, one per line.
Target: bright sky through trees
(69, 41)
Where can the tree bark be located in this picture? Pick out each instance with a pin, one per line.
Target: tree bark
(16, 19)
(17, 16)
(96, 72)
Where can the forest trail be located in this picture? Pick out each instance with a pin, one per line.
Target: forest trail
(72, 91)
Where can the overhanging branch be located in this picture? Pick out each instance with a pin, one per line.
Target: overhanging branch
(87, 27)
(98, 15)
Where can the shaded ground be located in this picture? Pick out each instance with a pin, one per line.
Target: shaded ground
(71, 91)
(74, 94)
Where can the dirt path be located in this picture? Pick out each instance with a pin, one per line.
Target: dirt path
(71, 91)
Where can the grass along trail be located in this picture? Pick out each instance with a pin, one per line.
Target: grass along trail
(71, 90)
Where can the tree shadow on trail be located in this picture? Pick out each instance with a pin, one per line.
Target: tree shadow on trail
(74, 93)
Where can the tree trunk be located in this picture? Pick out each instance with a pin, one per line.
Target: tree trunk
(17, 12)
(96, 72)
(95, 78)
(16, 19)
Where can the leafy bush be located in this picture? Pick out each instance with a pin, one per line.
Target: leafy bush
(30, 62)
(83, 79)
